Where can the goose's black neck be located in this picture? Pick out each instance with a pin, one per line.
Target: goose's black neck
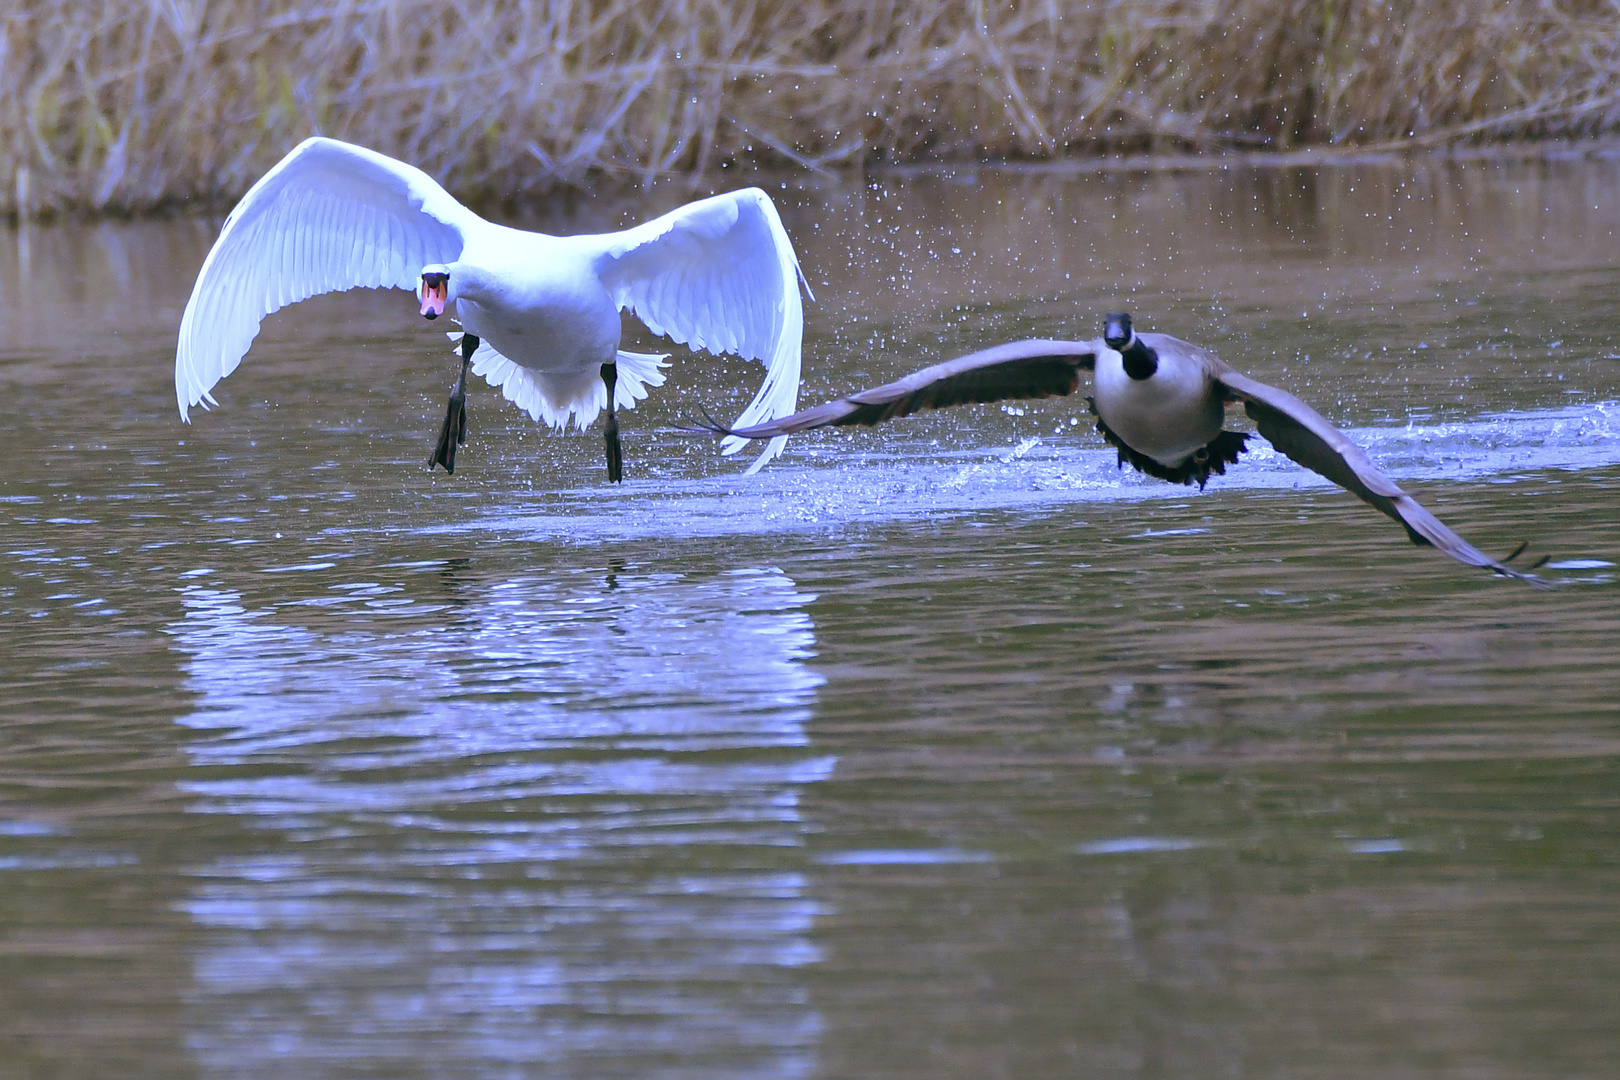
(1140, 361)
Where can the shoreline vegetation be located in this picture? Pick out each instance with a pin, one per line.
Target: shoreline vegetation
(160, 104)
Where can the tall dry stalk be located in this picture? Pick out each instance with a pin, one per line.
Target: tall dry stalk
(135, 104)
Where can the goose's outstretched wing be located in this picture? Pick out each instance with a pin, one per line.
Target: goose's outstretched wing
(1304, 435)
(329, 216)
(1021, 369)
(719, 275)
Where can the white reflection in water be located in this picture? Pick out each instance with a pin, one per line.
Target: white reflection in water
(537, 830)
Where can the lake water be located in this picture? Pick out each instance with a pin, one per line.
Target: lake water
(943, 750)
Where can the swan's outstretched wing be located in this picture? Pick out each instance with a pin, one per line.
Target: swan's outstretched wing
(328, 217)
(1304, 435)
(720, 275)
(1022, 369)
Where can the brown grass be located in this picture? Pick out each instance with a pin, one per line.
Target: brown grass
(137, 104)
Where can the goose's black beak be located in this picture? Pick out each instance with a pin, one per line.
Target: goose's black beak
(1117, 330)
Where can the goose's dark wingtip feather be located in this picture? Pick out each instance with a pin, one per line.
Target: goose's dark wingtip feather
(1501, 569)
(706, 426)
(1427, 530)
(1524, 576)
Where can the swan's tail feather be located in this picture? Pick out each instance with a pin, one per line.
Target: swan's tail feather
(554, 398)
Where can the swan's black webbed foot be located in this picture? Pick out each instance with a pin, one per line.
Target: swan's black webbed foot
(610, 434)
(454, 432)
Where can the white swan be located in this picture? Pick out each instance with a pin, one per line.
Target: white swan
(540, 313)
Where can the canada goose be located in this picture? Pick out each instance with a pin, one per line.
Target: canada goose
(1160, 402)
(540, 313)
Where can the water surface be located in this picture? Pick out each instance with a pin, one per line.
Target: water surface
(947, 749)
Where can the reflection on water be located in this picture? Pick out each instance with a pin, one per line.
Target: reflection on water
(315, 763)
(467, 790)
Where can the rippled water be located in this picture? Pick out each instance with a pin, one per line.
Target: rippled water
(942, 750)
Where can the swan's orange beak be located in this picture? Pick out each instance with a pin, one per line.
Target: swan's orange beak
(434, 291)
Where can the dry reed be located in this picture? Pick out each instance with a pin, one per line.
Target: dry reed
(131, 105)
